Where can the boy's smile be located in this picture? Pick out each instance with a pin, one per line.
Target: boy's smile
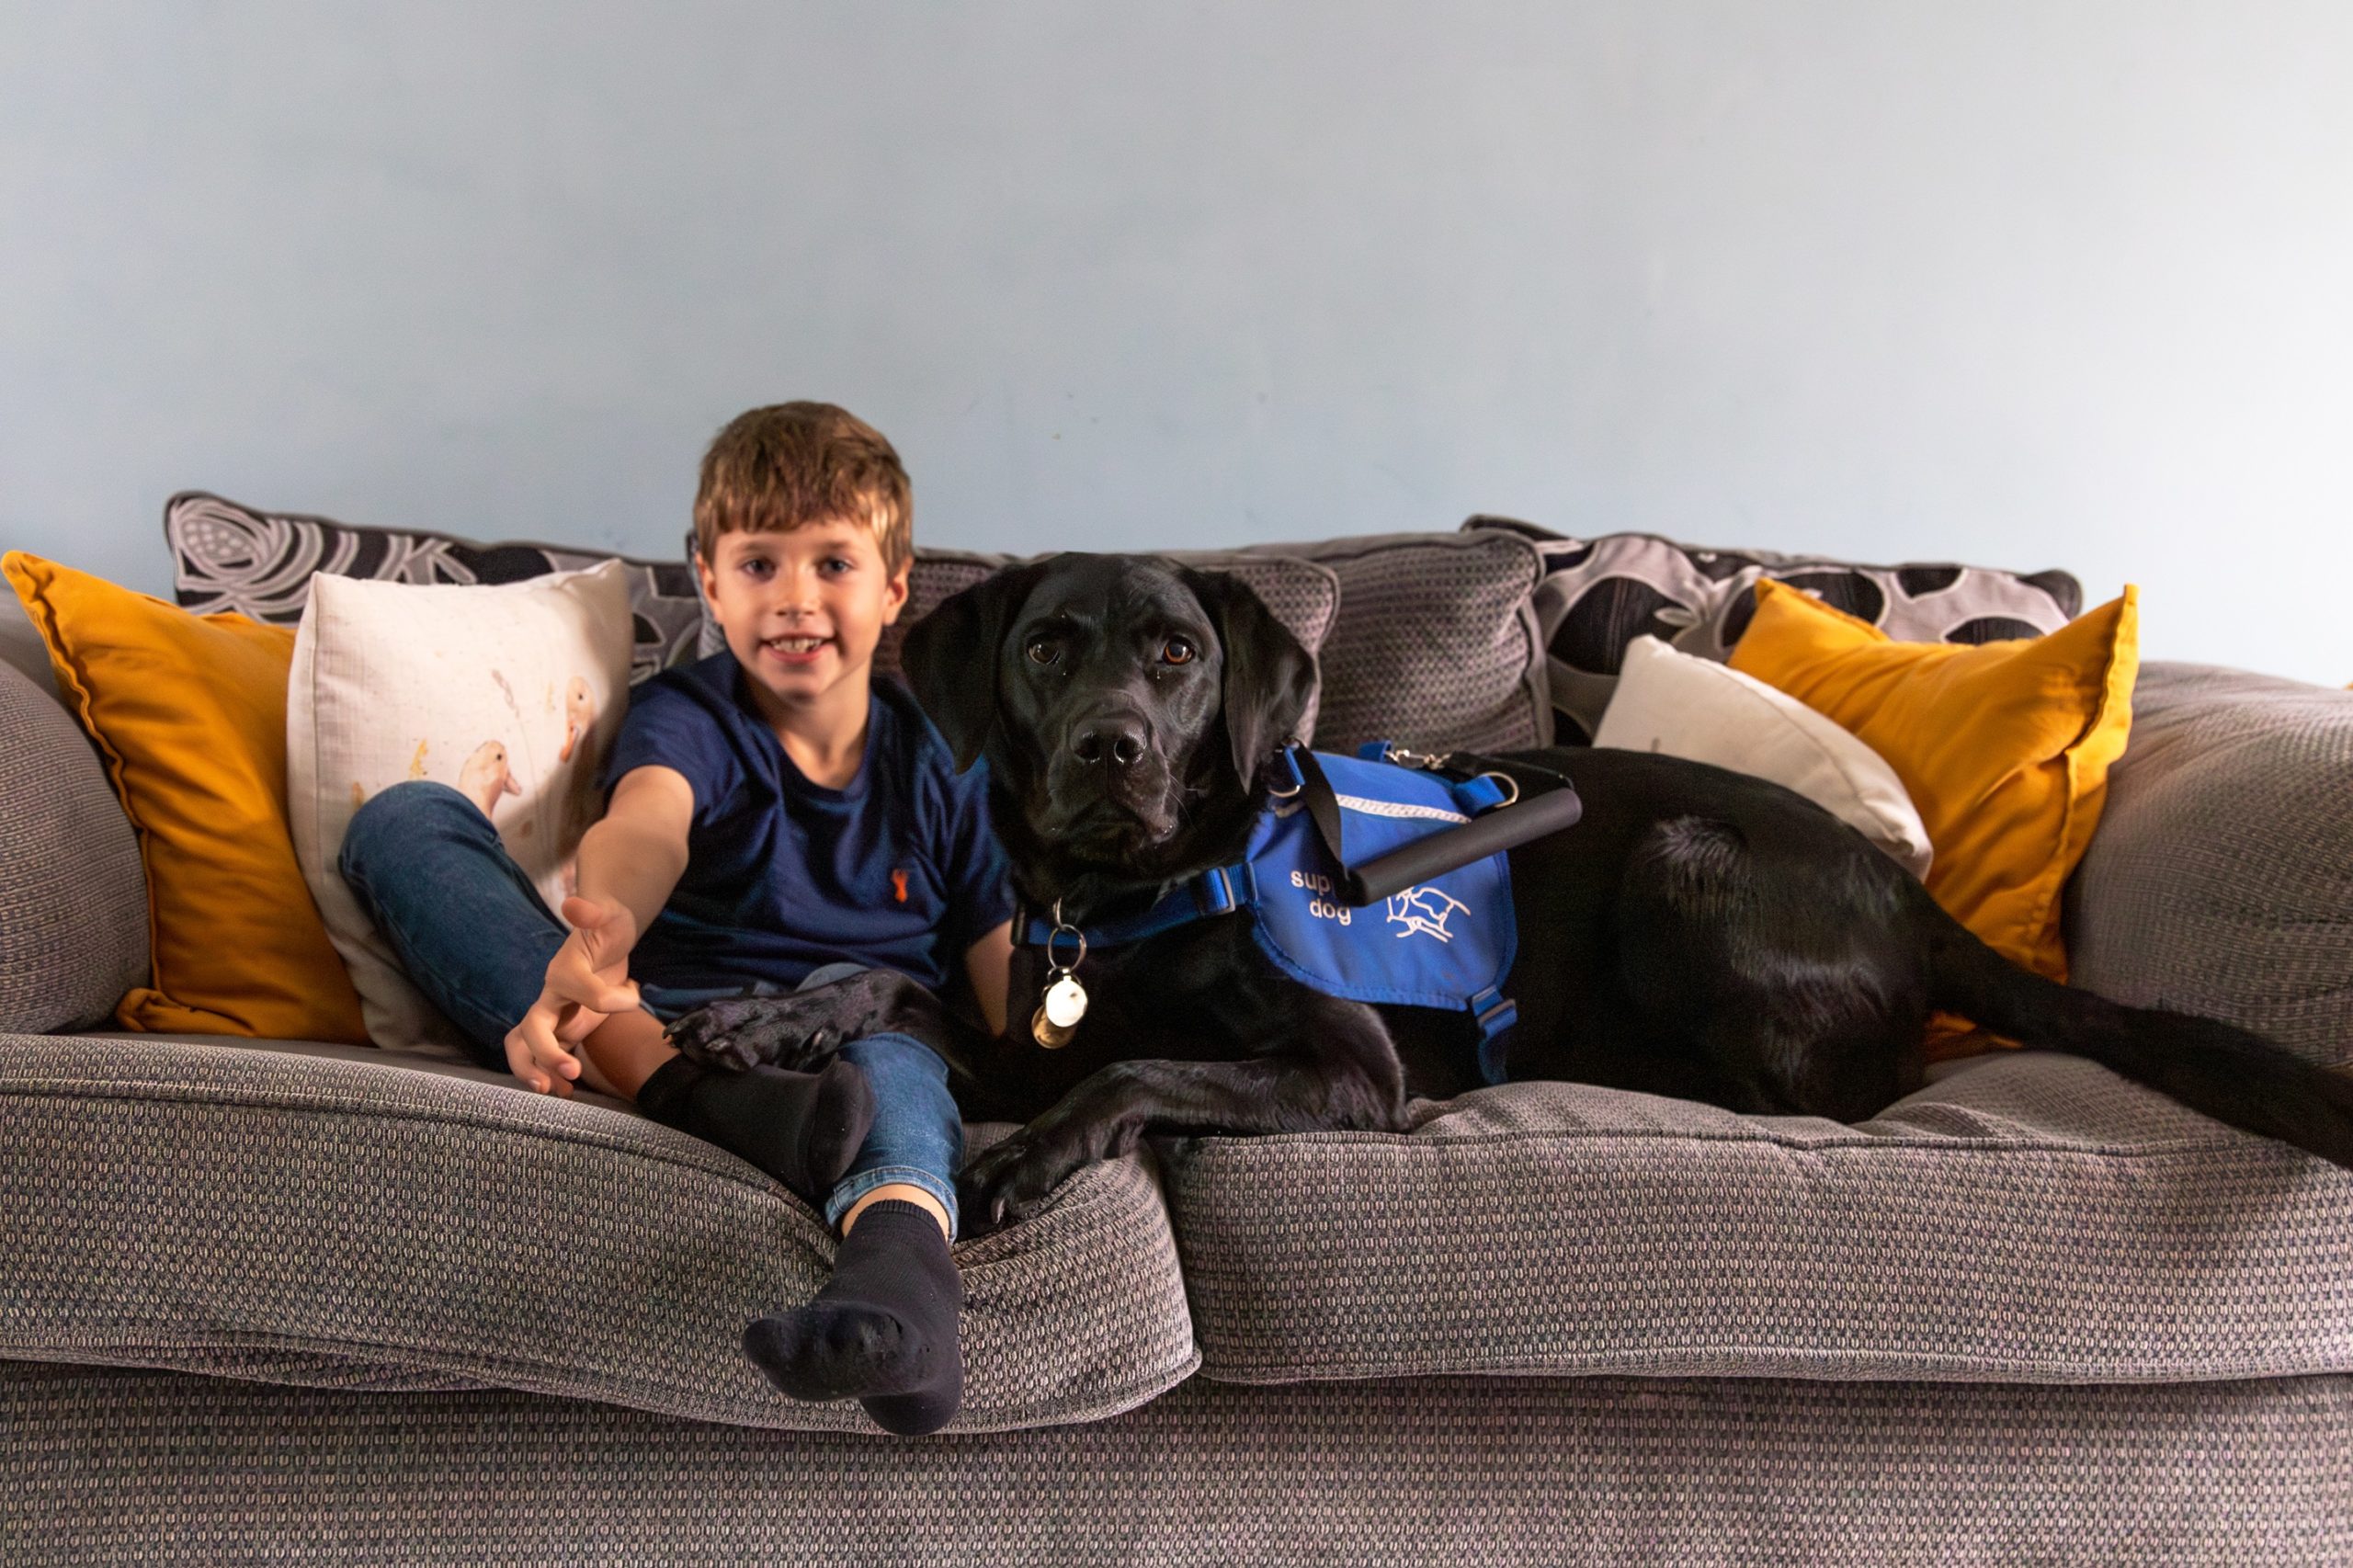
(802, 610)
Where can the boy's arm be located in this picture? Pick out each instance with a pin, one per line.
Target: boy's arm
(635, 854)
(988, 961)
(630, 861)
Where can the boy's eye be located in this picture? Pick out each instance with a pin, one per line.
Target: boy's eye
(758, 566)
(838, 565)
(1043, 650)
(1179, 651)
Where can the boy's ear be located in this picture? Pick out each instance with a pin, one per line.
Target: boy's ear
(896, 592)
(1269, 676)
(950, 657)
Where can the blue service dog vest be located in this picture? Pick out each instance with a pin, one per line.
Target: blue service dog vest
(1446, 942)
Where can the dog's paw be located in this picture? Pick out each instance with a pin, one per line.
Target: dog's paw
(1012, 1180)
(755, 1032)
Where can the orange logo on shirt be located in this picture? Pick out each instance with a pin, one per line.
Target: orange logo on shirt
(899, 885)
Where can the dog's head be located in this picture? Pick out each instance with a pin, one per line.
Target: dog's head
(1125, 704)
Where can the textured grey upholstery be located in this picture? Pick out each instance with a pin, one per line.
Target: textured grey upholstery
(268, 1214)
(21, 648)
(2030, 1218)
(73, 892)
(110, 1467)
(1436, 642)
(2221, 879)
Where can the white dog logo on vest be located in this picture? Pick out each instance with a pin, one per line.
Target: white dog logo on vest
(1424, 911)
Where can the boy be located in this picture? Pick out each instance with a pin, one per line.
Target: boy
(776, 819)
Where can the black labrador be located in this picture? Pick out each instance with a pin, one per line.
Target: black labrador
(1700, 933)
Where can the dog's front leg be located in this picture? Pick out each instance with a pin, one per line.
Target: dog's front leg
(1344, 1073)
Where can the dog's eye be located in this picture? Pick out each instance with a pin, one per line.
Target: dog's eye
(1043, 651)
(1178, 650)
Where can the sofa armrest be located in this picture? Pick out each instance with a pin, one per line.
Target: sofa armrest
(72, 889)
(2221, 879)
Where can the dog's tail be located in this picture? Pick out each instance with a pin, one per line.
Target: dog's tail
(2230, 1074)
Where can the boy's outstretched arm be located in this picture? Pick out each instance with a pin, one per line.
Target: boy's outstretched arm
(630, 861)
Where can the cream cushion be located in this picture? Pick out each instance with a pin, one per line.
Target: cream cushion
(510, 694)
(1679, 705)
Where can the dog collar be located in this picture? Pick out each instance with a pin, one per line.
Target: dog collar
(1222, 890)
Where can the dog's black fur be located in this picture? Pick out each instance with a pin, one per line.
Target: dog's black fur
(1698, 933)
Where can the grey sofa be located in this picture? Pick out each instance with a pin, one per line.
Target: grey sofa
(263, 1300)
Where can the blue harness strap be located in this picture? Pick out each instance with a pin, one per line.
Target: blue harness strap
(1446, 942)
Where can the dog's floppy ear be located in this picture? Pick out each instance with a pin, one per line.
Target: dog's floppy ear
(950, 657)
(1269, 677)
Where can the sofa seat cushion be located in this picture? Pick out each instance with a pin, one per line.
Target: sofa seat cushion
(2027, 1218)
(350, 1223)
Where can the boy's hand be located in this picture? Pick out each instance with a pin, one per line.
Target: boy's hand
(588, 983)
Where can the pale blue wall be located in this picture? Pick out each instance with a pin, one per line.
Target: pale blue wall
(2030, 284)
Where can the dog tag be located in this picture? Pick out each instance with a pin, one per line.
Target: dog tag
(1065, 1003)
(1048, 1033)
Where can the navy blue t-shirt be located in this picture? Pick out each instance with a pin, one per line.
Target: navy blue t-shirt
(897, 870)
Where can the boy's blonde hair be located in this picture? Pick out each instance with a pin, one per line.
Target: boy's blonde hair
(777, 469)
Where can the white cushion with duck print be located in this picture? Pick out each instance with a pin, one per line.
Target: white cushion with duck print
(510, 694)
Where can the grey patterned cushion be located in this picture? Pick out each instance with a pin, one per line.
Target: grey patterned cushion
(2029, 1217)
(72, 891)
(2221, 879)
(1601, 592)
(104, 1467)
(1436, 643)
(269, 1214)
(228, 557)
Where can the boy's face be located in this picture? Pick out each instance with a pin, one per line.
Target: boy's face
(804, 610)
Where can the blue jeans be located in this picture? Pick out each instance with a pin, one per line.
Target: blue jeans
(427, 867)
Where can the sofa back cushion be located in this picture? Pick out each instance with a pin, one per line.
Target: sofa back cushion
(2220, 881)
(1436, 643)
(72, 898)
(22, 648)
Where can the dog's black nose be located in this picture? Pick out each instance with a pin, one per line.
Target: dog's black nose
(1119, 739)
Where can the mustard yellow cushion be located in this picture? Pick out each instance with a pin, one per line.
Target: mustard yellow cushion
(2003, 748)
(190, 713)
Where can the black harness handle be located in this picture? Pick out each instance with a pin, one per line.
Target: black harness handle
(1530, 817)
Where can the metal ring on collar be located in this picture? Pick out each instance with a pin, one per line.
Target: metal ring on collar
(1510, 799)
(1053, 967)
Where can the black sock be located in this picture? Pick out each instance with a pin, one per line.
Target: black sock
(803, 1128)
(883, 1329)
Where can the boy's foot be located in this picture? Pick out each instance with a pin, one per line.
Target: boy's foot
(883, 1331)
(803, 1128)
